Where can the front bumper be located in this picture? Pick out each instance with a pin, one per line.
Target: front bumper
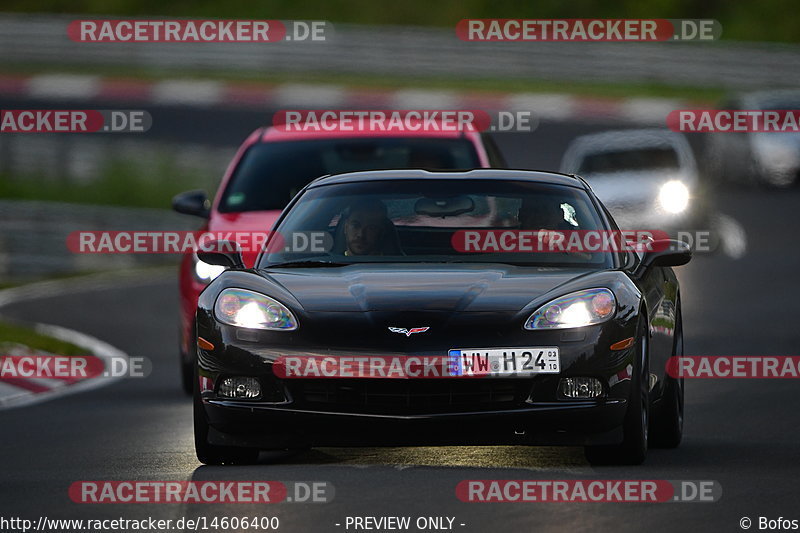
(442, 411)
(574, 423)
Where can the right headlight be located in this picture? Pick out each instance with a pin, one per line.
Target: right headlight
(248, 309)
(674, 196)
(574, 310)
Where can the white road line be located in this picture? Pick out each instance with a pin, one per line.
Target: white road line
(305, 95)
(545, 106)
(650, 110)
(204, 93)
(11, 396)
(63, 86)
(62, 287)
(210, 92)
(104, 351)
(425, 99)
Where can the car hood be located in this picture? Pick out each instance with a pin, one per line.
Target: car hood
(403, 287)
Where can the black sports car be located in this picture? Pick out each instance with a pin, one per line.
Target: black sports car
(413, 307)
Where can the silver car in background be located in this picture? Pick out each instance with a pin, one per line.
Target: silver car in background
(648, 178)
(770, 159)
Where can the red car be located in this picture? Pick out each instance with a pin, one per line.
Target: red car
(273, 165)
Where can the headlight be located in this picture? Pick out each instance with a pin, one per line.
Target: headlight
(205, 272)
(248, 309)
(581, 308)
(673, 196)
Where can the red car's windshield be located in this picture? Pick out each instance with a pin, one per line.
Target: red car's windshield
(270, 174)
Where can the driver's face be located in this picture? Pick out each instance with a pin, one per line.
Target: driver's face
(363, 231)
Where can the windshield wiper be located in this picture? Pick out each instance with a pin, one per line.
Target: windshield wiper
(315, 263)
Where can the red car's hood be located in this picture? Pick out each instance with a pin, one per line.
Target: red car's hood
(239, 224)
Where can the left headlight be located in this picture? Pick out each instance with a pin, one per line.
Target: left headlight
(581, 308)
(204, 272)
(248, 309)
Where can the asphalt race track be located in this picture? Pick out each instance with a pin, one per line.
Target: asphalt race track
(740, 433)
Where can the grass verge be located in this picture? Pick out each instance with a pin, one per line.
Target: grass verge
(18, 334)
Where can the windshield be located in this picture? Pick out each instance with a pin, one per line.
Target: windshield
(630, 160)
(428, 221)
(270, 174)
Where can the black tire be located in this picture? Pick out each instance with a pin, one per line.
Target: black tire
(636, 427)
(211, 454)
(666, 425)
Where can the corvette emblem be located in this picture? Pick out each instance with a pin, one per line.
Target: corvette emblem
(408, 332)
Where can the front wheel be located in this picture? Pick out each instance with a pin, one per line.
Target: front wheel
(667, 422)
(633, 449)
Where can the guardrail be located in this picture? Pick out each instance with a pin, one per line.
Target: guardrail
(420, 52)
(33, 236)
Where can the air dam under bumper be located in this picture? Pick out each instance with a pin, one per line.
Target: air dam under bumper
(265, 426)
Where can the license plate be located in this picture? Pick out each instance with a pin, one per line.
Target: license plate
(504, 361)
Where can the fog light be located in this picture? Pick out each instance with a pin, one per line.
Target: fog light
(580, 387)
(240, 387)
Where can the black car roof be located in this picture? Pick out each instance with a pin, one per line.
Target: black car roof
(538, 176)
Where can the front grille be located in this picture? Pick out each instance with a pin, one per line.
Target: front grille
(395, 396)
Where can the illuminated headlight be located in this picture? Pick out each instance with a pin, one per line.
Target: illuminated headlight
(673, 197)
(581, 308)
(248, 309)
(205, 272)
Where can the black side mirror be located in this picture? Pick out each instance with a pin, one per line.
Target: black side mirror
(222, 253)
(666, 253)
(194, 203)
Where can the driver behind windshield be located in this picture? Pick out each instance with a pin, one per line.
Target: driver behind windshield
(366, 228)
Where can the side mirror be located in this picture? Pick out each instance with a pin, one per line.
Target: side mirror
(222, 253)
(194, 203)
(666, 253)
